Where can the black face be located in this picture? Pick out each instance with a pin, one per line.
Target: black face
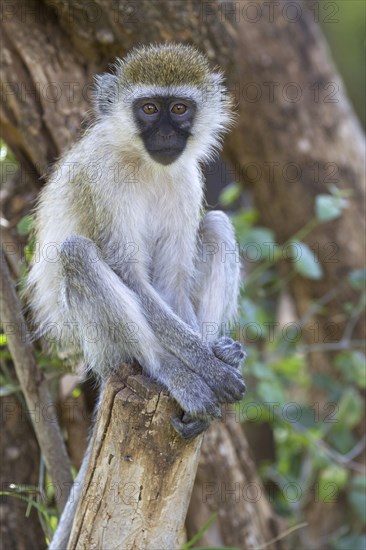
(165, 124)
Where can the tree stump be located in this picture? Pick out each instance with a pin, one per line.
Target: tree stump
(140, 473)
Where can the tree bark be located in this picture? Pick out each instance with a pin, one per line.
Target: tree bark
(227, 484)
(297, 138)
(140, 474)
(294, 140)
(46, 87)
(35, 388)
(65, 43)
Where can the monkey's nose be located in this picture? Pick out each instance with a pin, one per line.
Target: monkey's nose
(165, 136)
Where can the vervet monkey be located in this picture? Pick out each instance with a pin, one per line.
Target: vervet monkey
(137, 257)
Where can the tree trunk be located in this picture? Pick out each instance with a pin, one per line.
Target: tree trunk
(53, 49)
(140, 474)
(46, 87)
(297, 138)
(227, 484)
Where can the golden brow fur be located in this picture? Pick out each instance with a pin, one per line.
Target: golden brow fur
(170, 64)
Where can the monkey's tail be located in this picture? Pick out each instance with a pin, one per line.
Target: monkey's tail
(62, 534)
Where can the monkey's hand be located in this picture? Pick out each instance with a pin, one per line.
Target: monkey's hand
(222, 373)
(193, 395)
(186, 345)
(229, 351)
(189, 427)
(198, 401)
(196, 420)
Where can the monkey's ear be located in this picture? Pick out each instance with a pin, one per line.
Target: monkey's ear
(105, 93)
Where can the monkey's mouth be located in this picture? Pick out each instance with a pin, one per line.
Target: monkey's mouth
(166, 156)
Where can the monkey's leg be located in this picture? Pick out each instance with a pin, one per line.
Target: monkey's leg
(215, 292)
(107, 319)
(132, 298)
(216, 288)
(186, 344)
(95, 296)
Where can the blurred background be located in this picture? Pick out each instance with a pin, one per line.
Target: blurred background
(304, 423)
(346, 41)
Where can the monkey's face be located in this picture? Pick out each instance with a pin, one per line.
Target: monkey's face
(165, 124)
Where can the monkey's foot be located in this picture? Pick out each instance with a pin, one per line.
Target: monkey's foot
(189, 427)
(196, 398)
(224, 378)
(229, 351)
(188, 388)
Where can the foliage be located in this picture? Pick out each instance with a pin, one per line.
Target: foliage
(31, 495)
(345, 33)
(314, 443)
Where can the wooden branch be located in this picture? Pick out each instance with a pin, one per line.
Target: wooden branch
(41, 408)
(227, 484)
(140, 474)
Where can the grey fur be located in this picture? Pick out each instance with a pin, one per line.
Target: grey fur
(62, 533)
(137, 259)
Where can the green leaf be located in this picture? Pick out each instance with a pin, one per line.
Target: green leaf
(254, 320)
(198, 535)
(350, 408)
(289, 366)
(328, 207)
(230, 194)
(359, 483)
(9, 389)
(356, 542)
(3, 339)
(243, 221)
(260, 244)
(357, 279)
(352, 366)
(30, 249)
(25, 225)
(335, 474)
(3, 151)
(261, 371)
(341, 438)
(246, 217)
(357, 497)
(305, 261)
(329, 384)
(271, 392)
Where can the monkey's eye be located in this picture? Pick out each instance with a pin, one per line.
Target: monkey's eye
(149, 109)
(179, 108)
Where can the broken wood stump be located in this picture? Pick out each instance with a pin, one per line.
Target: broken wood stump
(140, 474)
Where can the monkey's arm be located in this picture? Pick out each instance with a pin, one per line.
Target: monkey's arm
(215, 294)
(93, 291)
(186, 344)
